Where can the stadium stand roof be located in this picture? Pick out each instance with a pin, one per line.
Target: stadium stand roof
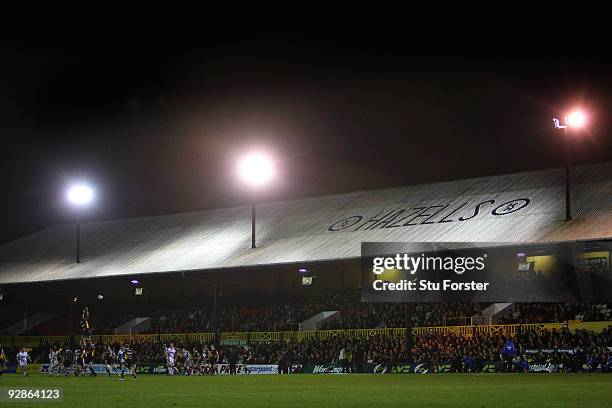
(522, 207)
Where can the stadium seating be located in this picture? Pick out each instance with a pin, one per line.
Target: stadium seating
(240, 315)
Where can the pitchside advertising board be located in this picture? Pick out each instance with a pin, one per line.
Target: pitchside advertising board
(222, 369)
(486, 272)
(425, 368)
(98, 369)
(332, 368)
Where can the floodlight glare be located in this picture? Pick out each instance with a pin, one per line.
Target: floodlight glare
(134, 281)
(256, 169)
(80, 194)
(576, 119)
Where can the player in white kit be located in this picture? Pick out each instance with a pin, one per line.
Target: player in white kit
(22, 359)
(187, 361)
(170, 353)
(53, 361)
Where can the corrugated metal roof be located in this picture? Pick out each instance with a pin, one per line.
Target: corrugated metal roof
(524, 207)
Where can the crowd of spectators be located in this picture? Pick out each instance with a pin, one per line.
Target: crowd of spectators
(249, 315)
(578, 347)
(380, 315)
(353, 314)
(234, 318)
(556, 313)
(576, 350)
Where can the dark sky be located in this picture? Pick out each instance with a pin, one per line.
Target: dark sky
(157, 127)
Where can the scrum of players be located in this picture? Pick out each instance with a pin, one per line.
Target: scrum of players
(198, 361)
(121, 360)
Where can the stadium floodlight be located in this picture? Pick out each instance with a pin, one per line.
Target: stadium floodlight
(255, 169)
(79, 195)
(575, 119)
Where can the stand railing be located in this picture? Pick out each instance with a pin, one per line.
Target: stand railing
(258, 337)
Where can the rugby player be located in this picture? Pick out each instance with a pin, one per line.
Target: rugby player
(213, 358)
(85, 326)
(89, 353)
(170, 353)
(187, 361)
(53, 361)
(79, 358)
(2, 361)
(22, 359)
(127, 361)
(109, 358)
(246, 358)
(68, 360)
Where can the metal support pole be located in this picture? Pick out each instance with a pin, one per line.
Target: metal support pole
(216, 315)
(70, 323)
(568, 204)
(408, 324)
(78, 235)
(253, 220)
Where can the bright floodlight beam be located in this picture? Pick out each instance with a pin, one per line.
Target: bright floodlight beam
(256, 170)
(79, 195)
(575, 119)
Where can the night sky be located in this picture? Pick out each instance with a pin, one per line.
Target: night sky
(158, 128)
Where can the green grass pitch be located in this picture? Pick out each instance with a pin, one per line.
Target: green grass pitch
(357, 390)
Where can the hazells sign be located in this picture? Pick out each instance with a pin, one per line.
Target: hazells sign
(433, 214)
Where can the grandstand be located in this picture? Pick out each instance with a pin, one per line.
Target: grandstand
(201, 281)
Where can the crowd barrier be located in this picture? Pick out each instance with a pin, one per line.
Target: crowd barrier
(250, 337)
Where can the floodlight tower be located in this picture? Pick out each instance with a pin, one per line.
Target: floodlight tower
(575, 119)
(256, 170)
(79, 195)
